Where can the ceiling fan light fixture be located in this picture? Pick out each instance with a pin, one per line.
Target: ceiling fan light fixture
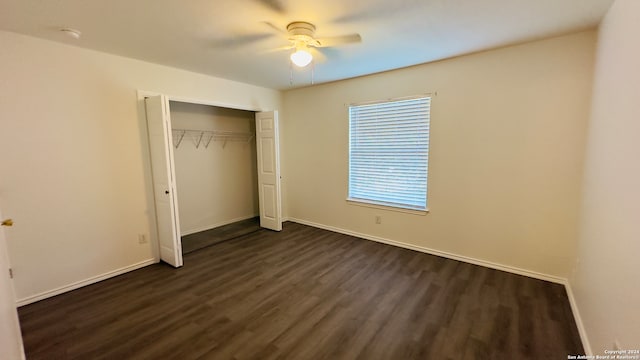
(301, 58)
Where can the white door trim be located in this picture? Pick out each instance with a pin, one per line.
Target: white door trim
(268, 158)
(10, 336)
(164, 184)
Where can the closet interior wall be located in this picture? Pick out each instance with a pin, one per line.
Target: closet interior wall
(216, 177)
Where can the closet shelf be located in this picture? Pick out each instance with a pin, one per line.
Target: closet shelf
(205, 137)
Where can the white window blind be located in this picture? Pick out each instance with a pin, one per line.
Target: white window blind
(389, 152)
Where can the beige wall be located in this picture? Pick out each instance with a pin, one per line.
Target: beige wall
(218, 184)
(75, 173)
(507, 148)
(508, 131)
(605, 282)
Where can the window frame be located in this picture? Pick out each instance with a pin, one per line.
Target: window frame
(395, 206)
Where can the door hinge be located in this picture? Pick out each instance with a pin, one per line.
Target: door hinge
(10, 273)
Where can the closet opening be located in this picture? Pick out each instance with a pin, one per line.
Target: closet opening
(216, 173)
(212, 167)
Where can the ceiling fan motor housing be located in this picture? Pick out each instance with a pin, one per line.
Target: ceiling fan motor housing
(301, 31)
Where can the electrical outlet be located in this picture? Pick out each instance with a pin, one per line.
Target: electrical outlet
(378, 219)
(142, 239)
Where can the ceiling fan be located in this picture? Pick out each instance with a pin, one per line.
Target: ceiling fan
(301, 35)
(302, 41)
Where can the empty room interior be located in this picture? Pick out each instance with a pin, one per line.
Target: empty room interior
(270, 179)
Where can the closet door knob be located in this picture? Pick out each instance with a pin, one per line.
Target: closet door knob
(166, 191)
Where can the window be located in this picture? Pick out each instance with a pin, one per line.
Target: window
(389, 153)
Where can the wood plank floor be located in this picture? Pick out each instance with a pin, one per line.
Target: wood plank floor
(202, 239)
(306, 293)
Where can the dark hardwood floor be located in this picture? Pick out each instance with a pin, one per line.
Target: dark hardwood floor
(202, 239)
(306, 293)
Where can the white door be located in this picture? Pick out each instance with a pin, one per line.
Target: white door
(268, 170)
(164, 186)
(10, 336)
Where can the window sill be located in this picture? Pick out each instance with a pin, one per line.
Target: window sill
(387, 207)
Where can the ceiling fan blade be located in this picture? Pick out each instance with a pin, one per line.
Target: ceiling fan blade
(281, 48)
(339, 40)
(274, 27)
(318, 56)
(242, 40)
(275, 5)
(370, 13)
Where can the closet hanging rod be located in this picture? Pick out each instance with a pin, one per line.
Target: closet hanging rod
(208, 135)
(215, 132)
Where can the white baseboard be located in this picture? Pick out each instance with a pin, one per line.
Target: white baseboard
(470, 260)
(110, 274)
(79, 284)
(576, 315)
(212, 226)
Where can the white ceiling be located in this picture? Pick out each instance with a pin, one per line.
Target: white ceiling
(230, 38)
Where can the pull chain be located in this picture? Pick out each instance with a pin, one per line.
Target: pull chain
(313, 72)
(290, 74)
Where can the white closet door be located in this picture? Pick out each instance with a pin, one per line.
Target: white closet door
(268, 170)
(164, 187)
(10, 337)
